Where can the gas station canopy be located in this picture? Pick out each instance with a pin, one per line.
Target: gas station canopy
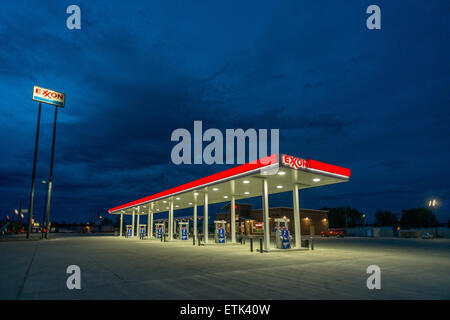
(244, 181)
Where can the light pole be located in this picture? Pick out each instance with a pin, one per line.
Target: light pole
(33, 177)
(346, 219)
(45, 209)
(20, 207)
(57, 99)
(433, 203)
(50, 179)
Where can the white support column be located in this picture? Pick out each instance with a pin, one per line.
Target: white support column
(170, 224)
(121, 225)
(233, 219)
(137, 222)
(175, 227)
(205, 218)
(150, 221)
(195, 217)
(132, 225)
(297, 229)
(265, 205)
(233, 213)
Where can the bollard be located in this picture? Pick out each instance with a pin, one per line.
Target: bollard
(162, 236)
(193, 240)
(312, 243)
(260, 245)
(251, 244)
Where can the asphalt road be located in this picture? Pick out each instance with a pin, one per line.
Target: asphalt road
(113, 268)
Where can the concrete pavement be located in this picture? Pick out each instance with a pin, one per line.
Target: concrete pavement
(114, 268)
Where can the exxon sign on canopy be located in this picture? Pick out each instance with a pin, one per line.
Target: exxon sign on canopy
(49, 96)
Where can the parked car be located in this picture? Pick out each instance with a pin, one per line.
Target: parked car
(338, 233)
(426, 235)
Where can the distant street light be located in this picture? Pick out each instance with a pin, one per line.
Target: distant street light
(433, 203)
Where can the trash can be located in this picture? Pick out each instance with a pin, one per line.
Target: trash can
(305, 243)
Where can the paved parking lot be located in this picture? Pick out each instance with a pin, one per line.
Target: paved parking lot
(113, 268)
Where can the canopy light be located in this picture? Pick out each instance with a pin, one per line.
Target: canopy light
(281, 173)
(245, 181)
(279, 187)
(316, 179)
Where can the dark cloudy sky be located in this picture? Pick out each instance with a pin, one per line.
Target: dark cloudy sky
(376, 102)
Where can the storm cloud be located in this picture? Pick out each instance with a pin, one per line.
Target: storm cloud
(373, 101)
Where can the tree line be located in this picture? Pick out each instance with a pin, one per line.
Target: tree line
(415, 217)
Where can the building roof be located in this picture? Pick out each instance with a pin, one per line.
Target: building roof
(290, 208)
(227, 206)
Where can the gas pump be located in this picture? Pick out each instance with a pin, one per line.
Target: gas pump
(183, 231)
(142, 230)
(129, 230)
(159, 230)
(282, 233)
(219, 234)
